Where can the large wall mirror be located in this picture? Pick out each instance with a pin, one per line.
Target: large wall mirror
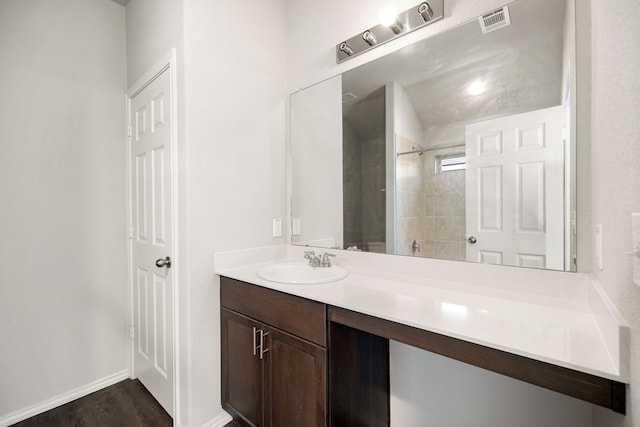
(461, 146)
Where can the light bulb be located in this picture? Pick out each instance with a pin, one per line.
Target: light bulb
(388, 15)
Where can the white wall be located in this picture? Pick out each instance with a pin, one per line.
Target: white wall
(615, 128)
(316, 164)
(235, 126)
(153, 27)
(419, 389)
(439, 392)
(63, 298)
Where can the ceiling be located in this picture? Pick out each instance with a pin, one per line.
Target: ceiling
(521, 66)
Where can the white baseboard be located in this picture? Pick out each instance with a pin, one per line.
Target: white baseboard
(219, 421)
(28, 412)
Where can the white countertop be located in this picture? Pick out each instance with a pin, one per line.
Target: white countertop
(560, 329)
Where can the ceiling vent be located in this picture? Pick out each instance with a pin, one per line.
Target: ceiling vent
(348, 97)
(495, 20)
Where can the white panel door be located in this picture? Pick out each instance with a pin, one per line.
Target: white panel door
(150, 145)
(515, 190)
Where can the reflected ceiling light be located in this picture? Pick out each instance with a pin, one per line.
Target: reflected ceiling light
(425, 11)
(369, 38)
(476, 88)
(346, 48)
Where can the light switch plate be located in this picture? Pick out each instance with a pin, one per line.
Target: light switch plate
(295, 225)
(635, 245)
(598, 245)
(277, 227)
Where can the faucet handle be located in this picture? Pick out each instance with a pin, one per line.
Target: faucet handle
(314, 261)
(326, 262)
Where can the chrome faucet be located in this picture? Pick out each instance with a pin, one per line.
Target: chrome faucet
(317, 260)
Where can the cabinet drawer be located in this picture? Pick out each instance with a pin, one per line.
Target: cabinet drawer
(297, 316)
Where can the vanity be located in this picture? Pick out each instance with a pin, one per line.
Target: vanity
(319, 354)
(461, 146)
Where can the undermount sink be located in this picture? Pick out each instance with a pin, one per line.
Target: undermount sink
(295, 272)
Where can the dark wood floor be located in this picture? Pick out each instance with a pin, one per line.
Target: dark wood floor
(125, 404)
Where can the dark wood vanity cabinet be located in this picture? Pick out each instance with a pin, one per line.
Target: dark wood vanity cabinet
(318, 365)
(274, 357)
(242, 371)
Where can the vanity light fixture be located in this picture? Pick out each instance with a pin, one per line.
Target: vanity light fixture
(369, 38)
(399, 23)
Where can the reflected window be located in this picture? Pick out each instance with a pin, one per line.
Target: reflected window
(451, 162)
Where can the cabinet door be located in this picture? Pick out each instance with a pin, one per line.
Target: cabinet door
(242, 371)
(296, 390)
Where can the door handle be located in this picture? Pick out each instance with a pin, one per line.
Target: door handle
(472, 240)
(166, 262)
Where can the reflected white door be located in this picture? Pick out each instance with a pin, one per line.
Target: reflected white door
(515, 188)
(150, 145)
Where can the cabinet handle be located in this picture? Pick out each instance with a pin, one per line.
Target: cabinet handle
(255, 349)
(262, 349)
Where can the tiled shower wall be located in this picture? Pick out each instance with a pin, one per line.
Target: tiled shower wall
(445, 206)
(430, 205)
